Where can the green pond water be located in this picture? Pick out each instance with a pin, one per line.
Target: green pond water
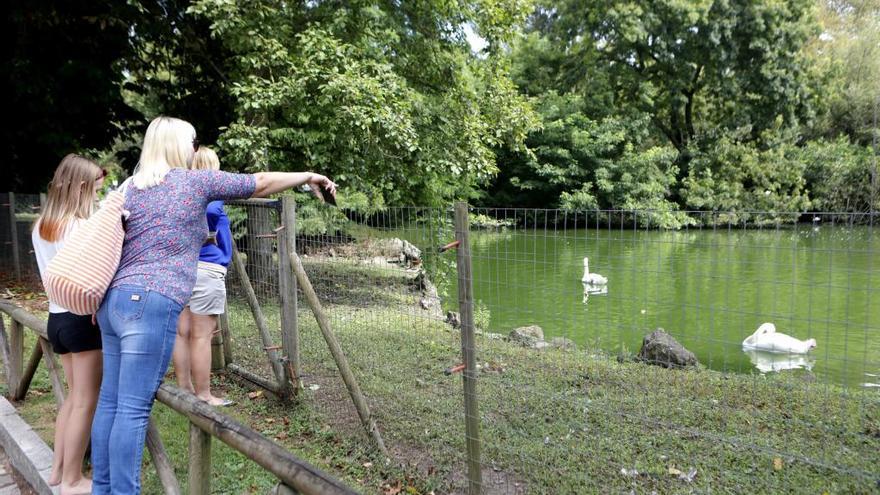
(709, 288)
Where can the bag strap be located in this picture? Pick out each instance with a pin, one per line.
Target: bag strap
(123, 189)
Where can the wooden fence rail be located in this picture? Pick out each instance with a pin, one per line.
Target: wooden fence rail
(206, 423)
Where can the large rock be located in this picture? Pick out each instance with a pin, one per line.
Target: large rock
(660, 348)
(528, 336)
(400, 250)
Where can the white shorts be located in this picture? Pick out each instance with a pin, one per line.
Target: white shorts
(209, 293)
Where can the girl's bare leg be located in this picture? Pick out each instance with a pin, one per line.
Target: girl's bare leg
(61, 422)
(83, 399)
(203, 327)
(182, 351)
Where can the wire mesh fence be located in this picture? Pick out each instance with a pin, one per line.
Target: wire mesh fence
(567, 404)
(569, 401)
(253, 227)
(18, 212)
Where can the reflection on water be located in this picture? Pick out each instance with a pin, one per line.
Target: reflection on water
(591, 290)
(767, 362)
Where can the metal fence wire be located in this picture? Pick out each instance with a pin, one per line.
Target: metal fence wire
(572, 398)
(568, 401)
(253, 230)
(18, 212)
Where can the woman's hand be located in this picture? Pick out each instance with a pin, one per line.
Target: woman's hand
(320, 182)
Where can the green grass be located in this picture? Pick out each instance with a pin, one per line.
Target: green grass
(552, 421)
(565, 422)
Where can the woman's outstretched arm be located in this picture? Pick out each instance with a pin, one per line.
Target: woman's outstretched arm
(269, 183)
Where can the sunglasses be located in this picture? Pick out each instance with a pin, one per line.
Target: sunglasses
(103, 175)
(195, 144)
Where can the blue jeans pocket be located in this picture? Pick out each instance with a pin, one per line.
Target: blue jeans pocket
(128, 303)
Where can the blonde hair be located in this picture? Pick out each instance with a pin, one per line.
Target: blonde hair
(205, 159)
(168, 143)
(71, 195)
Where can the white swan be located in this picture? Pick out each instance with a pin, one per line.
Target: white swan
(766, 339)
(592, 278)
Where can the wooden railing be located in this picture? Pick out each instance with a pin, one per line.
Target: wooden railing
(294, 475)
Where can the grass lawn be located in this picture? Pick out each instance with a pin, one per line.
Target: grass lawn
(552, 421)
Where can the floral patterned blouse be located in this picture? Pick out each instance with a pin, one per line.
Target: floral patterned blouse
(167, 227)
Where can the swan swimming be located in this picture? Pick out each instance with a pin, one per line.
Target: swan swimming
(765, 338)
(592, 278)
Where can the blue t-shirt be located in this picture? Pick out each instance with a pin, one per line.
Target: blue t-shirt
(218, 222)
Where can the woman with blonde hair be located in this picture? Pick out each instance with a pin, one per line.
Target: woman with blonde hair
(70, 200)
(164, 232)
(198, 320)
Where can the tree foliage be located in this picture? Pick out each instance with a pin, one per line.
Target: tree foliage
(659, 106)
(695, 67)
(61, 86)
(386, 97)
(701, 105)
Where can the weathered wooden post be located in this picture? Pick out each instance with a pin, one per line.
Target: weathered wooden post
(16, 356)
(260, 266)
(218, 355)
(354, 389)
(468, 349)
(227, 338)
(160, 460)
(260, 320)
(29, 371)
(54, 376)
(5, 354)
(287, 288)
(13, 232)
(199, 461)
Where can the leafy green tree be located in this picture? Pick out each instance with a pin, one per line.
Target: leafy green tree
(732, 176)
(175, 67)
(841, 175)
(386, 97)
(696, 68)
(62, 84)
(580, 163)
(847, 56)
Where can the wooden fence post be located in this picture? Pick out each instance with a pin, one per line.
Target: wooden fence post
(354, 390)
(293, 472)
(218, 354)
(261, 267)
(54, 377)
(227, 338)
(260, 321)
(468, 349)
(16, 357)
(30, 369)
(5, 352)
(287, 288)
(160, 460)
(199, 461)
(13, 231)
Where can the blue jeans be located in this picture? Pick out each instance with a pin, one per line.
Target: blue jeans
(138, 329)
